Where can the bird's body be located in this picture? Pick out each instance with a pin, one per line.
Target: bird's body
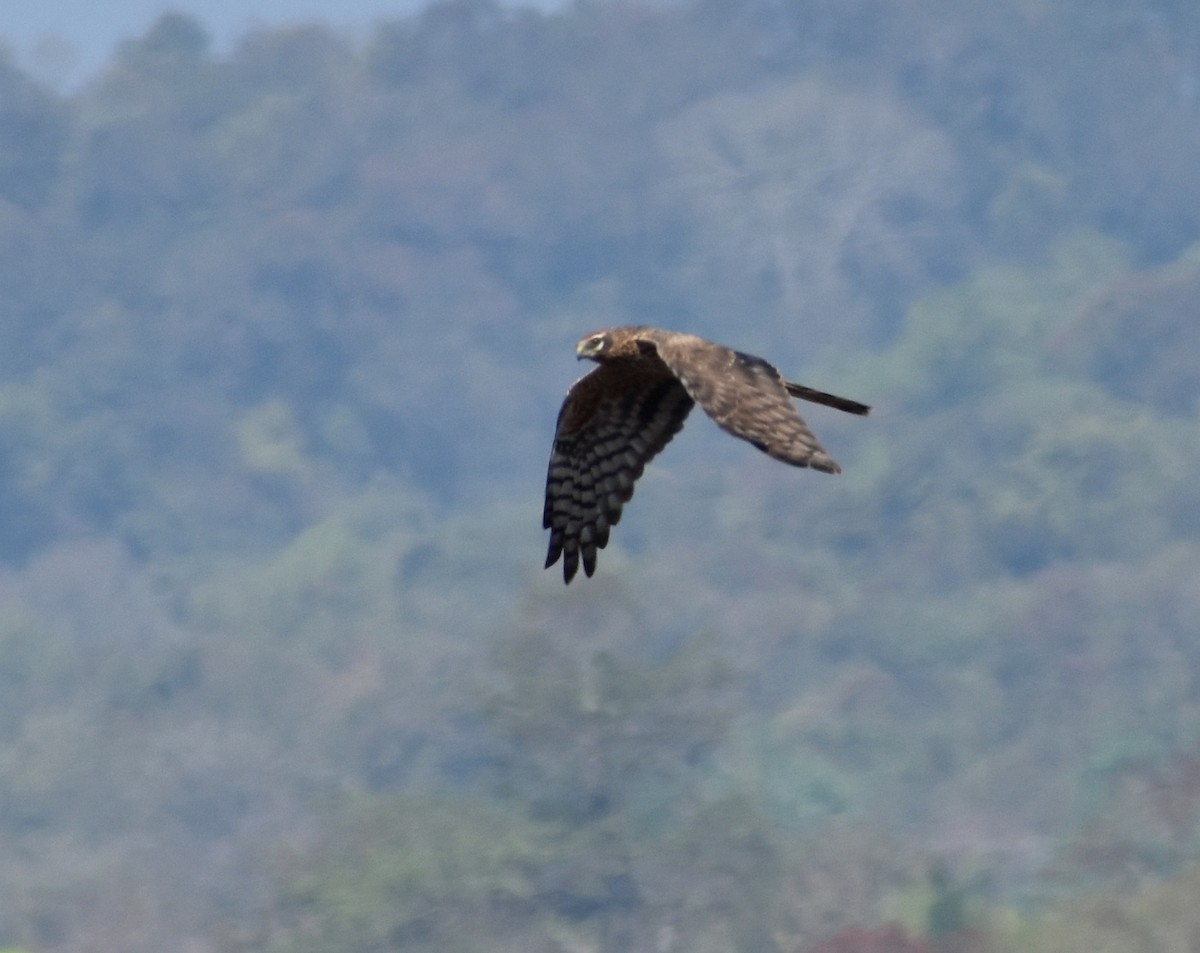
(618, 417)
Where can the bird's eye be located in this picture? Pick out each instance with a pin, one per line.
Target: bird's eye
(598, 343)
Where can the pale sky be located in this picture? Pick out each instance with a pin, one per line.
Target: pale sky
(64, 41)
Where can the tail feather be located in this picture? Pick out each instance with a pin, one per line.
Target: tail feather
(829, 400)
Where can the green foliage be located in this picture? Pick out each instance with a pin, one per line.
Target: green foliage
(413, 873)
(34, 127)
(1156, 916)
(285, 329)
(587, 738)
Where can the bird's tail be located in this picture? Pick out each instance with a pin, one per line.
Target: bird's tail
(829, 400)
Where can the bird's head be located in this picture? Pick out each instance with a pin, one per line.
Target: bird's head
(594, 346)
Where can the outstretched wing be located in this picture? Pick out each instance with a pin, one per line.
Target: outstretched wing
(744, 394)
(612, 423)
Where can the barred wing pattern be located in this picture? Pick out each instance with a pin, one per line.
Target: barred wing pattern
(612, 423)
(617, 418)
(745, 395)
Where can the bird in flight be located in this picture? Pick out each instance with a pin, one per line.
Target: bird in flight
(616, 418)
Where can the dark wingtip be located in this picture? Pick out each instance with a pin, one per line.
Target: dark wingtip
(570, 564)
(554, 551)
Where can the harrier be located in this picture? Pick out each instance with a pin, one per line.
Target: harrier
(617, 418)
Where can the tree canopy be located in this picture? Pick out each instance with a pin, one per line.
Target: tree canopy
(285, 329)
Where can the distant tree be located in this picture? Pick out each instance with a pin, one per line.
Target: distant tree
(889, 939)
(591, 738)
(412, 873)
(34, 128)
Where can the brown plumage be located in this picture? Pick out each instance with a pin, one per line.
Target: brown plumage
(617, 418)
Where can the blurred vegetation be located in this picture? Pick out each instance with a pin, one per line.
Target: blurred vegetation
(285, 330)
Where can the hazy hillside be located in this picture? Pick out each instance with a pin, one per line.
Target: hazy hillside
(284, 337)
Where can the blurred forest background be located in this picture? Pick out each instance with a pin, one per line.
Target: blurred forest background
(284, 336)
